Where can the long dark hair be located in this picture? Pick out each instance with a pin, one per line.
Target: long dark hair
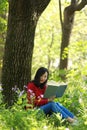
(38, 74)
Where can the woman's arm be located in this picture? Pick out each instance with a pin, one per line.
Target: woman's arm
(34, 97)
(41, 101)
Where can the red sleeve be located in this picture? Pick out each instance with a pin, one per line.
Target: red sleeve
(34, 95)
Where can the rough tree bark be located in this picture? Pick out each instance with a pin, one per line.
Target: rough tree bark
(67, 24)
(17, 61)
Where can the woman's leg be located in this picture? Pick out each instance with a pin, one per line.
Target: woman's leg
(56, 107)
(53, 107)
(70, 114)
(49, 107)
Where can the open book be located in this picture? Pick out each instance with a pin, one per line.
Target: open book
(55, 90)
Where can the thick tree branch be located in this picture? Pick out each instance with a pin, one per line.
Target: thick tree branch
(39, 6)
(75, 6)
(81, 5)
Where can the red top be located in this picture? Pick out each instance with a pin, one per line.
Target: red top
(35, 95)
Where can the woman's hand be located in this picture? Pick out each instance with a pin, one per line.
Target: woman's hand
(51, 98)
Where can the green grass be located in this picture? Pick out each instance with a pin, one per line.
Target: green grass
(75, 99)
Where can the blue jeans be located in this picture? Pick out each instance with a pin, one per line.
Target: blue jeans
(56, 108)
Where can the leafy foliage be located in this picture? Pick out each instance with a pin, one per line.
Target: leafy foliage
(47, 48)
(74, 99)
(3, 28)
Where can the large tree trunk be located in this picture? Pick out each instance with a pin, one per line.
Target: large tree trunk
(67, 25)
(66, 33)
(22, 21)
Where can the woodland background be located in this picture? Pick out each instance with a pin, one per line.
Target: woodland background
(47, 44)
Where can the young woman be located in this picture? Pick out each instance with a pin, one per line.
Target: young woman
(35, 92)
